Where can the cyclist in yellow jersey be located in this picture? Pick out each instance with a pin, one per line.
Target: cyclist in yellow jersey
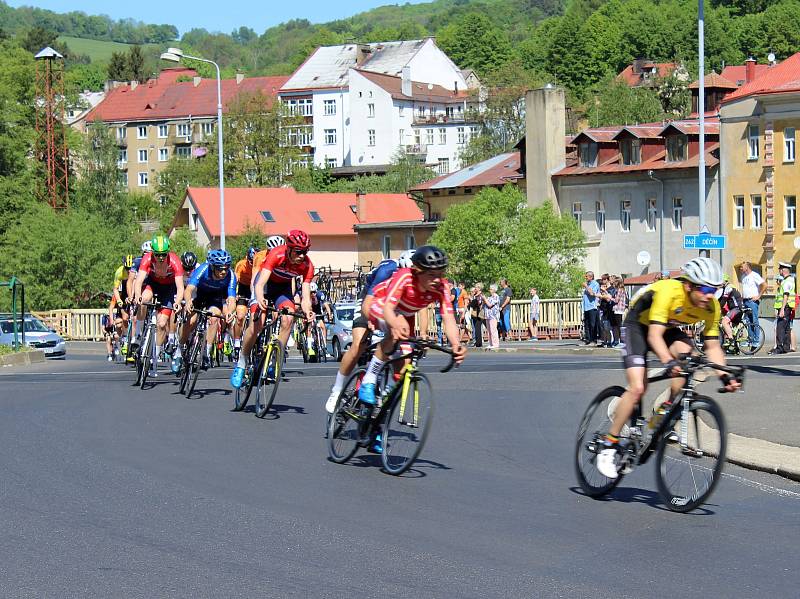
(118, 311)
(652, 325)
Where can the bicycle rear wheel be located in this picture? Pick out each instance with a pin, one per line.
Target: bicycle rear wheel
(194, 365)
(688, 470)
(344, 425)
(146, 356)
(743, 340)
(406, 425)
(242, 395)
(269, 377)
(594, 426)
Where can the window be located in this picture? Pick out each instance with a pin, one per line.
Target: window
(429, 136)
(267, 216)
(677, 214)
(790, 213)
(305, 107)
(442, 136)
(207, 128)
(330, 163)
(330, 137)
(314, 216)
(588, 154)
(184, 129)
(631, 151)
(788, 144)
(752, 142)
(417, 141)
(421, 111)
(183, 152)
(193, 219)
(402, 137)
(600, 216)
(370, 137)
(123, 178)
(122, 158)
(163, 131)
(677, 147)
(625, 215)
(738, 212)
(411, 242)
(462, 136)
(473, 131)
(370, 110)
(652, 214)
(329, 107)
(386, 246)
(142, 156)
(163, 154)
(143, 179)
(444, 166)
(755, 212)
(577, 210)
(400, 110)
(122, 133)
(141, 132)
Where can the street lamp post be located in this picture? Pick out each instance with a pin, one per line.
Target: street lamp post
(701, 110)
(175, 55)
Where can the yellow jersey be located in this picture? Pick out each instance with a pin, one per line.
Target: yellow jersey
(666, 302)
(120, 278)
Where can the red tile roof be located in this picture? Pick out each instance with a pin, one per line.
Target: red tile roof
(422, 92)
(290, 209)
(632, 79)
(165, 98)
(598, 134)
(713, 79)
(498, 170)
(782, 78)
(736, 73)
(642, 131)
(656, 163)
(692, 127)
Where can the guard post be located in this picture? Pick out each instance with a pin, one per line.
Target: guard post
(17, 294)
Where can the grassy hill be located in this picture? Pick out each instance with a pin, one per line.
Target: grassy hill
(97, 50)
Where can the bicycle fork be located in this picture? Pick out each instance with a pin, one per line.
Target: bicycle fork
(404, 398)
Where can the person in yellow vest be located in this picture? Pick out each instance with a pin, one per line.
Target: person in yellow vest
(784, 307)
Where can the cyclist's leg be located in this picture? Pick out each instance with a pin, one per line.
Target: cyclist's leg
(349, 360)
(367, 391)
(147, 297)
(725, 323)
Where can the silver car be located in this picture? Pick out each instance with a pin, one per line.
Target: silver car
(340, 332)
(37, 336)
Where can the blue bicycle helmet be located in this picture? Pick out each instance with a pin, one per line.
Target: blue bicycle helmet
(219, 258)
(251, 253)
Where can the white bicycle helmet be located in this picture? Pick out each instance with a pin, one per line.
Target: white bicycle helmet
(147, 246)
(312, 287)
(405, 259)
(702, 271)
(274, 241)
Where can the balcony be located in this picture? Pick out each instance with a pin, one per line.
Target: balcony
(438, 119)
(417, 149)
(122, 142)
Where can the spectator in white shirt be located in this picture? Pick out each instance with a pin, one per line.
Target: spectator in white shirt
(753, 287)
(533, 325)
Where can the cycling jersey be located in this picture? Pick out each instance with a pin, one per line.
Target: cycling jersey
(318, 300)
(379, 274)
(136, 262)
(402, 292)
(730, 299)
(120, 277)
(162, 272)
(666, 302)
(203, 279)
(281, 268)
(244, 271)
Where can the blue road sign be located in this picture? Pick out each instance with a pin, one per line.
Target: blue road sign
(704, 241)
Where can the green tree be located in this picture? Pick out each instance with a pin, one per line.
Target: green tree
(99, 189)
(475, 42)
(618, 104)
(498, 235)
(675, 96)
(135, 64)
(179, 174)
(38, 38)
(251, 236)
(118, 67)
(183, 240)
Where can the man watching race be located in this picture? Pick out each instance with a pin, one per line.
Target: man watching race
(272, 283)
(652, 325)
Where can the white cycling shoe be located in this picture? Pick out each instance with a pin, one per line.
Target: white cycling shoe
(607, 463)
(330, 405)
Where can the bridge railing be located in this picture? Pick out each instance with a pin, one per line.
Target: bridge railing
(76, 325)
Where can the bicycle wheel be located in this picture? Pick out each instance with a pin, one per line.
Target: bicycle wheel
(242, 395)
(687, 471)
(146, 357)
(194, 365)
(268, 383)
(344, 425)
(406, 424)
(743, 340)
(186, 363)
(594, 426)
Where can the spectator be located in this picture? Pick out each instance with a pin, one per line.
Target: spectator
(505, 308)
(533, 325)
(492, 309)
(784, 309)
(620, 305)
(462, 304)
(590, 320)
(606, 310)
(476, 314)
(753, 287)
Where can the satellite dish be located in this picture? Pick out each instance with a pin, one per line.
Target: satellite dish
(430, 86)
(797, 243)
(643, 258)
(771, 57)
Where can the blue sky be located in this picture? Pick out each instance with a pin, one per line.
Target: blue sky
(215, 16)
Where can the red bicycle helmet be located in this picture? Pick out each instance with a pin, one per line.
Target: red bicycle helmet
(298, 239)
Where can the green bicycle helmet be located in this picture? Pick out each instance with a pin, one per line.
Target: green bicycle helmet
(160, 244)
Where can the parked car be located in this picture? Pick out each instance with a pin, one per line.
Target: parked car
(37, 336)
(340, 332)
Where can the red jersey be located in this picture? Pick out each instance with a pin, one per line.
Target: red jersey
(402, 292)
(161, 272)
(281, 268)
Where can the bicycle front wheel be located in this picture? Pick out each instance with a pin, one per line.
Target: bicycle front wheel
(743, 340)
(344, 425)
(269, 378)
(594, 425)
(690, 455)
(146, 357)
(194, 365)
(406, 425)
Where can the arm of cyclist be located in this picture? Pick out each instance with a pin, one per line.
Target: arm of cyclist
(453, 336)
(230, 303)
(715, 353)
(263, 275)
(305, 301)
(655, 338)
(141, 275)
(179, 289)
(397, 324)
(188, 297)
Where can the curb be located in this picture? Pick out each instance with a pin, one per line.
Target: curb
(24, 358)
(764, 456)
(581, 351)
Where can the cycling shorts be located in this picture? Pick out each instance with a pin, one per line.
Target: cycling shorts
(360, 322)
(376, 318)
(163, 292)
(734, 315)
(277, 294)
(204, 301)
(634, 336)
(242, 295)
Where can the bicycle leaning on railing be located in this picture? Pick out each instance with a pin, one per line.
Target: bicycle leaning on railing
(688, 438)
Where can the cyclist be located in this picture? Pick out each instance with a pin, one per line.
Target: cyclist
(399, 299)
(319, 303)
(109, 333)
(731, 304)
(652, 325)
(160, 275)
(118, 310)
(382, 272)
(189, 262)
(211, 287)
(272, 283)
(244, 276)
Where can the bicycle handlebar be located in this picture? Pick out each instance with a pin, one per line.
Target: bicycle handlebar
(689, 364)
(423, 343)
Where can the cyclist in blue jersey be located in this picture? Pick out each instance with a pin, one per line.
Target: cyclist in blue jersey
(211, 287)
(379, 274)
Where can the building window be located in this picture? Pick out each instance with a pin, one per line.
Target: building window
(625, 215)
(163, 154)
(183, 152)
(652, 214)
(631, 151)
(329, 107)
(473, 131)
(577, 209)
(330, 163)
(738, 212)
(677, 214)
(386, 246)
(330, 137)
(402, 136)
(163, 131)
(122, 133)
(600, 216)
(756, 221)
(207, 128)
(184, 129)
(370, 137)
(790, 213)
(429, 136)
(788, 144)
(267, 216)
(411, 242)
(442, 136)
(123, 178)
(588, 154)
(142, 156)
(677, 148)
(417, 141)
(193, 219)
(444, 166)
(421, 111)
(122, 158)
(400, 110)
(462, 136)
(305, 107)
(141, 132)
(370, 110)
(752, 142)
(143, 179)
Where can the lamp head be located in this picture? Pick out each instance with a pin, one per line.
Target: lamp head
(170, 57)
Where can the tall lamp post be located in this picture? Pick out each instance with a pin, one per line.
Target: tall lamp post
(701, 110)
(175, 55)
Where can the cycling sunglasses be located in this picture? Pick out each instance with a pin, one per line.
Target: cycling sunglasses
(705, 289)
(300, 252)
(160, 256)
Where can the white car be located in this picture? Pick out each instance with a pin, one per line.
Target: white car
(37, 336)
(340, 332)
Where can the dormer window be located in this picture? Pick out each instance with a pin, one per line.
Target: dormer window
(588, 153)
(631, 151)
(677, 148)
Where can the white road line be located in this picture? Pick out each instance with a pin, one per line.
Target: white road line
(762, 486)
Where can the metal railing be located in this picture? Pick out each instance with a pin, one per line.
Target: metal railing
(75, 325)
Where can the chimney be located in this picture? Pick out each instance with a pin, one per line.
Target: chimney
(455, 87)
(134, 84)
(362, 53)
(545, 152)
(197, 81)
(405, 82)
(361, 207)
(749, 69)
(239, 78)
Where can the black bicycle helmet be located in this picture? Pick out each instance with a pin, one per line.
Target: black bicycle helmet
(189, 261)
(429, 257)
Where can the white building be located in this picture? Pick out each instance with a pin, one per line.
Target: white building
(364, 101)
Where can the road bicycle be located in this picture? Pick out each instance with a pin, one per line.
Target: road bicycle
(145, 356)
(192, 361)
(309, 339)
(739, 342)
(687, 436)
(402, 415)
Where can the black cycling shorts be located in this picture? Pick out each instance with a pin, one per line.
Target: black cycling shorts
(242, 294)
(634, 336)
(360, 322)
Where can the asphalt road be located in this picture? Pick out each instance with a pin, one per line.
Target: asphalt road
(109, 491)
